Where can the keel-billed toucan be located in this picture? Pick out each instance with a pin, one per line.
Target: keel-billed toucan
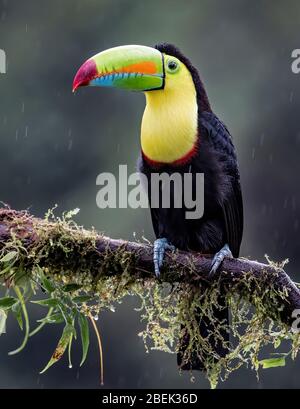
(179, 133)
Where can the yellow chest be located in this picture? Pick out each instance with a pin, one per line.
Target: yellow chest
(169, 125)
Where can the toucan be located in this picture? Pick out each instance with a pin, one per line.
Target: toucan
(180, 133)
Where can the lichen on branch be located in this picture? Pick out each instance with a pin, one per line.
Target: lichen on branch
(83, 272)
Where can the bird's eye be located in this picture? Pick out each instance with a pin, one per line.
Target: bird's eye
(173, 66)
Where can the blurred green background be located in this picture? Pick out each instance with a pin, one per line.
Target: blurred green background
(53, 145)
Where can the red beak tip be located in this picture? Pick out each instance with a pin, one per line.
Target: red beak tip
(85, 74)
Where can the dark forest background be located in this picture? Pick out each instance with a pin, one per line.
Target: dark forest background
(53, 145)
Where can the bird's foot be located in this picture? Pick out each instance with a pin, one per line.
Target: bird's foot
(218, 258)
(160, 246)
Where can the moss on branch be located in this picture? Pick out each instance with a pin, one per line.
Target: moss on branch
(84, 272)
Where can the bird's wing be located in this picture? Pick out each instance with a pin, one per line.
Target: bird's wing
(232, 203)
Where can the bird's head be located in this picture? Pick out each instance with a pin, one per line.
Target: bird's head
(136, 68)
(174, 93)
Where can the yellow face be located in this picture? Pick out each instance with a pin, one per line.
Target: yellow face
(176, 74)
(169, 126)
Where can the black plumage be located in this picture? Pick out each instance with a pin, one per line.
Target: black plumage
(222, 221)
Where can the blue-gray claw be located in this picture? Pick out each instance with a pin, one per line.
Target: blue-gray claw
(160, 246)
(218, 258)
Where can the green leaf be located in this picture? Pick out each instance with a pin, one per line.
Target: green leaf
(49, 302)
(3, 317)
(56, 318)
(17, 313)
(21, 278)
(46, 283)
(43, 323)
(9, 257)
(82, 298)
(68, 317)
(62, 345)
(68, 288)
(277, 343)
(85, 336)
(26, 319)
(7, 302)
(272, 362)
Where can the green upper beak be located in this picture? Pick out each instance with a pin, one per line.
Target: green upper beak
(133, 67)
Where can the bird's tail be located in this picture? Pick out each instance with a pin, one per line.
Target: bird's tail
(215, 336)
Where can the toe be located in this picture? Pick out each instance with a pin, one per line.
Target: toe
(218, 259)
(160, 246)
(156, 258)
(156, 269)
(161, 256)
(214, 267)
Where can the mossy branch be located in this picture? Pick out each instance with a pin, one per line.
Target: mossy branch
(84, 272)
(60, 248)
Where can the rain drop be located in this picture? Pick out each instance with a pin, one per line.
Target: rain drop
(262, 139)
(271, 158)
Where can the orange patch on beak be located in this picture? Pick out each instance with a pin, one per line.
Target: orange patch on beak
(147, 67)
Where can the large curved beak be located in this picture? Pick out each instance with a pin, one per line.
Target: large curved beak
(132, 67)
